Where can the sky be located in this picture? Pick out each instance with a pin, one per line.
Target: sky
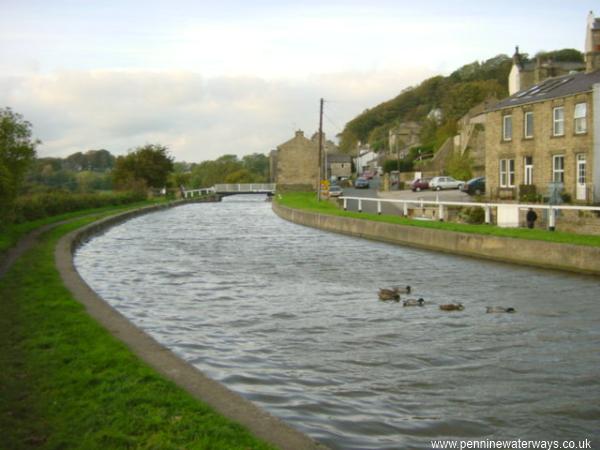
(239, 77)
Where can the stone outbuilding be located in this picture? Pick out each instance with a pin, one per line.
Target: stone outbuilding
(296, 164)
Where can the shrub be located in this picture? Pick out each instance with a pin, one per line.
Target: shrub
(38, 206)
(474, 215)
(528, 193)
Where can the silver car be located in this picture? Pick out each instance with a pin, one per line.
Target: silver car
(439, 183)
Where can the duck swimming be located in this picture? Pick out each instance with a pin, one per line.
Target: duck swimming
(389, 294)
(413, 302)
(452, 307)
(499, 309)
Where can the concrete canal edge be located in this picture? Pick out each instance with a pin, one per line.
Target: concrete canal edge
(550, 255)
(231, 405)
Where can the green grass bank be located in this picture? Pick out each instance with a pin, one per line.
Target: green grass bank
(66, 383)
(306, 201)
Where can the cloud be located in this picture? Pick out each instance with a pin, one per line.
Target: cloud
(197, 117)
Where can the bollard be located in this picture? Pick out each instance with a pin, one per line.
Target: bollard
(551, 219)
(379, 207)
(345, 204)
(488, 218)
(441, 213)
(359, 205)
(405, 209)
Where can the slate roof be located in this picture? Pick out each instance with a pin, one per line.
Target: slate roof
(551, 88)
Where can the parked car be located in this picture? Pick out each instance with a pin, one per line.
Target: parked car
(368, 175)
(439, 183)
(335, 191)
(361, 183)
(475, 186)
(419, 184)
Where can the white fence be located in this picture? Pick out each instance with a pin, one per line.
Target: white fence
(246, 188)
(503, 209)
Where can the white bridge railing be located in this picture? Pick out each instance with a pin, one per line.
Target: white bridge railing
(487, 207)
(245, 187)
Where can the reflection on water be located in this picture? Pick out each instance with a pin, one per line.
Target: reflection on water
(288, 317)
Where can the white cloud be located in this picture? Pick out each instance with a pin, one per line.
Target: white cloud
(198, 118)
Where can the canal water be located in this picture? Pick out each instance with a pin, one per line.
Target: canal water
(288, 317)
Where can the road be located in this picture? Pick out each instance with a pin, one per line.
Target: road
(453, 195)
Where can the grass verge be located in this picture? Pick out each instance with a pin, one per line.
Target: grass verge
(307, 201)
(65, 383)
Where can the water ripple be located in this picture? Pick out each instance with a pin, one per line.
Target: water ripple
(289, 317)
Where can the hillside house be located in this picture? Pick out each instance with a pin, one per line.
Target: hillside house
(548, 135)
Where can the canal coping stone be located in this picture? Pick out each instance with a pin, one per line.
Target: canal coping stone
(231, 405)
(548, 255)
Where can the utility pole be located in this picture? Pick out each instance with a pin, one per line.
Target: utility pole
(320, 151)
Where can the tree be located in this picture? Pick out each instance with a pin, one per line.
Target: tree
(17, 152)
(147, 166)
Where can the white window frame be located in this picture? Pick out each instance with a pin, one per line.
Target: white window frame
(528, 172)
(528, 131)
(558, 121)
(507, 172)
(580, 118)
(558, 173)
(507, 130)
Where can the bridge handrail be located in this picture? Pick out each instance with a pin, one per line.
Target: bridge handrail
(245, 187)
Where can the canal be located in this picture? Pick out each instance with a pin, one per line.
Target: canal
(288, 317)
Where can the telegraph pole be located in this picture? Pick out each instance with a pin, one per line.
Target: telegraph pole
(320, 151)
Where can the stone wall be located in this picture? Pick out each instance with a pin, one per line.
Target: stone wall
(575, 258)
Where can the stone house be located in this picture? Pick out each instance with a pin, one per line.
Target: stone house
(339, 165)
(525, 74)
(548, 135)
(296, 164)
(403, 137)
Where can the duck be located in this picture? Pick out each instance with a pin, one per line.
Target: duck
(499, 309)
(452, 307)
(402, 290)
(413, 302)
(389, 294)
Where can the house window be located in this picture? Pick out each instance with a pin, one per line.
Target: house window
(559, 121)
(507, 172)
(507, 128)
(580, 118)
(528, 125)
(558, 168)
(528, 163)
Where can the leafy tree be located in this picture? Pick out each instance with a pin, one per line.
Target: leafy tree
(563, 55)
(459, 166)
(17, 152)
(146, 166)
(258, 165)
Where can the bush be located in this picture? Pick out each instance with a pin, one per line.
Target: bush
(392, 164)
(566, 197)
(474, 215)
(528, 193)
(38, 206)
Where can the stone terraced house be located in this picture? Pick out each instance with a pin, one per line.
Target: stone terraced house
(548, 135)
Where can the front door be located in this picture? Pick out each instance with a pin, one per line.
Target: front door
(581, 187)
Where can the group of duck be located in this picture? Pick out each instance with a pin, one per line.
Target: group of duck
(393, 294)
